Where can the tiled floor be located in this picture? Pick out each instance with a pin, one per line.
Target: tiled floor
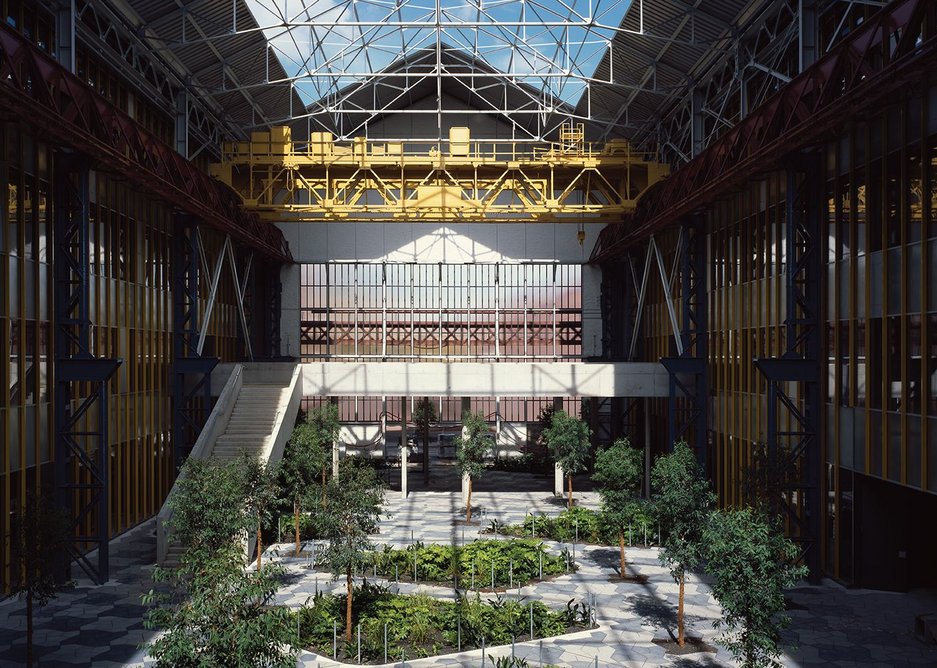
(101, 626)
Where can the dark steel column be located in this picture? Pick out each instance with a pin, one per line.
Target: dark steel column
(688, 406)
(81, 444)
(793, 454)
(191, 370)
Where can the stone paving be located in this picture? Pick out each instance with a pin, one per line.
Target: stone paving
(832, 626)
(90, 625)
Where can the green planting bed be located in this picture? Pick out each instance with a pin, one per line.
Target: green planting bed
(420, 626)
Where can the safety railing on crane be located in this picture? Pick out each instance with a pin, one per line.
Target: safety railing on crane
(319, 178)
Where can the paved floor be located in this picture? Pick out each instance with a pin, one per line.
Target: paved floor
(90, 625)
(101, 626)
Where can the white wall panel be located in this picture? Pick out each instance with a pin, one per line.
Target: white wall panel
(438, 242)
(485, 379)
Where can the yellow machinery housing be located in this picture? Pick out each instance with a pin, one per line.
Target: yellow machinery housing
(462, 180)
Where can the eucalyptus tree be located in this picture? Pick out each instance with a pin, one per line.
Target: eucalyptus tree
(751, 564)
(326, 427)
(260, 496)
(40, 532)
(568, 441)
(355, 500)
(619, 473)
(473, 446)
(682, 501)
(303, 459)
(424, 416)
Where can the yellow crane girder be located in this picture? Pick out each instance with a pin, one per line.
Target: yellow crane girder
(462, 180)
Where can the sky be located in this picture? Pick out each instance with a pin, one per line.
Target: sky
(329, 44)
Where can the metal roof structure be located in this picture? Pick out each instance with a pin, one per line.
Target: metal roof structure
(226, 58)
(623, 69)
(410, 87)
(652, 60)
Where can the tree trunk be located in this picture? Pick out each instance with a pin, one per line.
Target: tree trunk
(260, 545)
(621, 544)
(350, 585)
(570, 479)
(296, 523)
(680, 639)
(323, 487)
(29, 628)
(426, 457)
(468, 505)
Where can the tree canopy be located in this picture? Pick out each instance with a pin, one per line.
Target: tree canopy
(260, 496)
(473, 446)
(208, 507)
(325, 422)
(305, 458)
(618, 472)
(568, 440)
(355, 500)
(215, 613)
(682, 502)
(751, 564)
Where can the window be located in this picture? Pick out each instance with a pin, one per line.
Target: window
(441, 311)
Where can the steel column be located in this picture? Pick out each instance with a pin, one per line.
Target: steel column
(191, 368)
(81, 417)
(793, 445)
(807, 47)
(65, 34)
(182, 123)
(688, 408)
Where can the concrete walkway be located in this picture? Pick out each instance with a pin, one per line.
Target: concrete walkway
(102, 626)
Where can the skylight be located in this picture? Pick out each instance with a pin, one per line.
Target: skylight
(327, 47)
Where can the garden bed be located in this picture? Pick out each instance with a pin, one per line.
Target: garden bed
(581, 525)
(419, 626)
(481, 564)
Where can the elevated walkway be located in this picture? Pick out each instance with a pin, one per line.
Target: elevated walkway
(486, 379)
(254, 414)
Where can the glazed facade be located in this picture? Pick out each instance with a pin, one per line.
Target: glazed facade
(878, 373)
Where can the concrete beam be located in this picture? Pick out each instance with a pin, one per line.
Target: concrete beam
(480, 379)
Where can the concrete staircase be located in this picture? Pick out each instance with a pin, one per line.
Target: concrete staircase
(254, 414)
(253, 420)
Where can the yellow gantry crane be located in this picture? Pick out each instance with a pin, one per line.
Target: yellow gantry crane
(460, 180)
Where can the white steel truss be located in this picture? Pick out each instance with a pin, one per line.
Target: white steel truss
(531, 62)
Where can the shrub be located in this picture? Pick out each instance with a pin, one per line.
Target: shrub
(422, 626)
(517, 560)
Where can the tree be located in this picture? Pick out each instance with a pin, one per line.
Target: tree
(568, 440)
(39, 535)
(768, 480)
(355, 500)
(303, 460)
(214, 613)
(424, 416)
(682, 502)
(473, 446)
(208, 507)
(225, 617)
(260, 496)
(326, 427)
(751, 564)
(619, 473)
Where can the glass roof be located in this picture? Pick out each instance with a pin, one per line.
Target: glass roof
(328, 46)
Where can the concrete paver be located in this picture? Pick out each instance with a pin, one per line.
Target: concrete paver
(102, 625)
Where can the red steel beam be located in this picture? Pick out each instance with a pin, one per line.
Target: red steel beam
(37, 90)
(872, 63)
